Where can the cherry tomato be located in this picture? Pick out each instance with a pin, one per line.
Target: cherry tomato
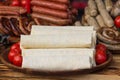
(15, 3)
(12, 54)
(101, 47)
(79, 5)
(23, 3)
(117, 22)
(26, 5)
(17, 60)
(100, 56)
(16, 47)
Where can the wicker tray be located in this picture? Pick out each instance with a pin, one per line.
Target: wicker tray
(4, 60)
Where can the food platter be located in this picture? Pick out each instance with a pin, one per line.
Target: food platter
(4, 60)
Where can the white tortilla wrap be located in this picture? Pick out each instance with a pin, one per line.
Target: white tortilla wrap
(63, 52)
(36, 30)
(56, 62)
(73, 40)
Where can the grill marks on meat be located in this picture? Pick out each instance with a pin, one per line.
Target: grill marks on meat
(47, 11)
(22, 26)
(50, 4)
(5, 10)
(51, 19)
(15, 26)
(52, 12)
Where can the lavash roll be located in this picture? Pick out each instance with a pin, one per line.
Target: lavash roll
(36, 30)
(63, 52)
(56, 62)
(75, 40)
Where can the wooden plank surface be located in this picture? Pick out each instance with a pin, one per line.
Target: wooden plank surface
(112, 72)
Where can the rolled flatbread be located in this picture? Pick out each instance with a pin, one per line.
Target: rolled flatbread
(56, 62)
(36, 30)
(59, 52)
(76, 40)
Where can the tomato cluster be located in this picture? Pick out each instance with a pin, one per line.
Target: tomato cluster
(14, 55)
(100, 56)
(23, 3)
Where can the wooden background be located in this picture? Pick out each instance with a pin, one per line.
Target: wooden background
(112, 72)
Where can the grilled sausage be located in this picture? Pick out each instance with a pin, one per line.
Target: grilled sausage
(5, 12)
(19, 10)
(21, 27)
(51, 19)
(52, 12)
(49, 4)
(61, 1)
(108, 35)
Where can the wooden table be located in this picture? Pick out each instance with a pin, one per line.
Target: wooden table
(112, 72)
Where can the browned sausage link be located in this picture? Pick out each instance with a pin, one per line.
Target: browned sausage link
(50, 4)
(2, 28)
(52, 12)
(25, 23)
(51, 19)
(46, 23)
(9, 16)
(13, 39)
(111, 47)
(16, 24)
(37, 21)
(19, 10)
(105, 37)
(60, 1)
(1, 31)
(16, 33)
(6, 24)
(5, 12)
(21, 27)
(30, 26)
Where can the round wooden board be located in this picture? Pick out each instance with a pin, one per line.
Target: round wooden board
(4, 60)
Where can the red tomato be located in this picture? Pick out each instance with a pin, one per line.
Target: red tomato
(23, 3)
(15, 3)
(101, 47)
(17, 60)
(100, 56)
(117, 22)
(79, 5)
(12, 54)
(26, 5)
(16, 47)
